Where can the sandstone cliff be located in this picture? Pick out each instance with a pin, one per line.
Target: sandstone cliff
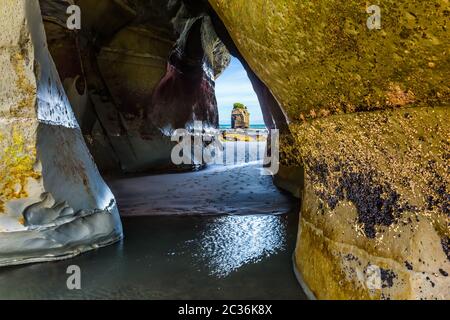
(368, 112)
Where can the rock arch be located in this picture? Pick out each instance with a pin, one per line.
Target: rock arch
(362, 115)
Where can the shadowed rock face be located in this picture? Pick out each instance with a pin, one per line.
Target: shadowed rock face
(186, 92)
(148, 67)
(374, 220)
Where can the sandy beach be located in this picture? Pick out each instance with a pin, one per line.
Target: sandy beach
(238, 189)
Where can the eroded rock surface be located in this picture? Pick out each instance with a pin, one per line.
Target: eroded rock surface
(374, 218)
(136, 71)
(53, 202)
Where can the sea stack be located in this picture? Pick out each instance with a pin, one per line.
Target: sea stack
(240, 117)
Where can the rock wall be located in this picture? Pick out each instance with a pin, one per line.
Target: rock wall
(44, 157)
(53, 202)
(136, 71)
(367, 114)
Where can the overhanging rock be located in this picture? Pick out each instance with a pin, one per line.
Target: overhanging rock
(368, 112)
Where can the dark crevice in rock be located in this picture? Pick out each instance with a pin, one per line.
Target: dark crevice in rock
(408, 265)
(441, 197)
(186, 92)
(445, 242)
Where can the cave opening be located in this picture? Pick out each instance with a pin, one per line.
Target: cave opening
(234, 87)
(245, 227)
(134, 74)
(89, 111)
(237, 228)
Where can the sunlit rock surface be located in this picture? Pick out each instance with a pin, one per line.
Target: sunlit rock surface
(320, 58)
(53, 202)
(375, 218)
(240, 118)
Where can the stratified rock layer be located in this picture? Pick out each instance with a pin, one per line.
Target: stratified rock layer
(374, 218)
(53, 202)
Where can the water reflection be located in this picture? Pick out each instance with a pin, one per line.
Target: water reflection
(228, 257)
(231, 242)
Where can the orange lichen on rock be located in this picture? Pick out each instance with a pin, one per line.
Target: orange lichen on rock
(396, 97)
(27, 88)
(17, 161)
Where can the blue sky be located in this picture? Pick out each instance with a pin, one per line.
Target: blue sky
(234, 86)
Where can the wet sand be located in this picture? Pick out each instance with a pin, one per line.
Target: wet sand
(237, 188)
(235, 249)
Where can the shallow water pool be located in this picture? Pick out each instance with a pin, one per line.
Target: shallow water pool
(190, 257)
